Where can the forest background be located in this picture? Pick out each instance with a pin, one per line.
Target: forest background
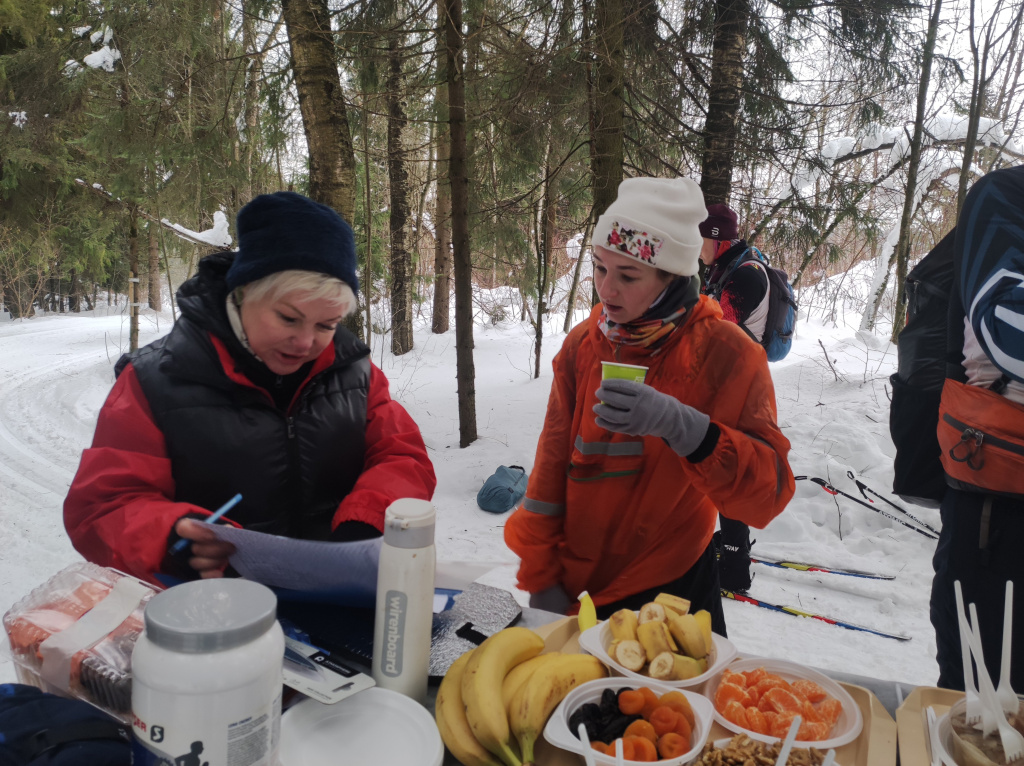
(474, 144)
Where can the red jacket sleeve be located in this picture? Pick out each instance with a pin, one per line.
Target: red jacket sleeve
(119, 512)
(396, 463)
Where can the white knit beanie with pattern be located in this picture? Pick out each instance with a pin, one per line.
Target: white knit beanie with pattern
(654, 220)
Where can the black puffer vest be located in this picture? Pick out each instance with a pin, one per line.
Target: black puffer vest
(293, 469)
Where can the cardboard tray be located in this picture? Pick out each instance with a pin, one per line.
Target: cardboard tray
(910, 721)
(876, 745)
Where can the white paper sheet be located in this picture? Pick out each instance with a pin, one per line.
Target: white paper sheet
(344, 573)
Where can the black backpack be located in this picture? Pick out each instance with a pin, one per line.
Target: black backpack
(782, 307)
(934, 324)
(42, 729)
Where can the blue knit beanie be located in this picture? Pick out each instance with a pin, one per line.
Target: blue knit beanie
(284, 231)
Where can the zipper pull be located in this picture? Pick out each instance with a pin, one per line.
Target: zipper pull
(291, 427)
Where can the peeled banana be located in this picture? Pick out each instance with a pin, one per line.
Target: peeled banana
(651, 636)
(622, 625)
(688, 634)
(543, 690)
(450, 714)
(652, 612)
(673, 604)
(481, 684)
(703, 617)
(629, 654)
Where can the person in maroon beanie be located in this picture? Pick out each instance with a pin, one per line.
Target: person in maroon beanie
(742, 292)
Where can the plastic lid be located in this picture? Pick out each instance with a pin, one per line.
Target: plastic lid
(210, 615)
(409, 523)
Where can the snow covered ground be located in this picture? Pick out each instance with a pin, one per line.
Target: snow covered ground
(55, 372)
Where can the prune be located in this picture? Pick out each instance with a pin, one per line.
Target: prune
(614, 726)
(590, 716)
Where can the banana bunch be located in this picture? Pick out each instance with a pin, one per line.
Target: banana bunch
(494, 701)
(664, 641)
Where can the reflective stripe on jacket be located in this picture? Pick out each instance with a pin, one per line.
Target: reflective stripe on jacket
(617, 514)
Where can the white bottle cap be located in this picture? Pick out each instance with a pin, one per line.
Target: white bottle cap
(409, 523)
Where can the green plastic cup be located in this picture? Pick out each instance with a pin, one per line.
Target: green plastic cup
(633, 372)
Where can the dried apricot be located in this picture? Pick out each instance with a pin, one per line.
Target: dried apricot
(727, 693)
(809, 689)
(631, 701)
(643, 748)
(678, 702)
(684, 728)
(756, 720)
(641, 728)
(735, 713)
(664, 719)
(673, 745)
(650, 702)
(600, 747)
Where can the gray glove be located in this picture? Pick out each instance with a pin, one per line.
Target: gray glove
(637, 409)
(553, 599)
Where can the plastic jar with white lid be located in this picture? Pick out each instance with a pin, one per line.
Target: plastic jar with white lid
(206, 676)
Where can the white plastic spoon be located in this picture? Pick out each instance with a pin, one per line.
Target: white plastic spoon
(787, 743)
(588, 751)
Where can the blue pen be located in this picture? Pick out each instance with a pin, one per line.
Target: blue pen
(179, 546)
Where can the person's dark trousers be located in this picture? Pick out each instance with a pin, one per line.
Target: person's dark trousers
(980, 545)
(734, 555)
(699, 586)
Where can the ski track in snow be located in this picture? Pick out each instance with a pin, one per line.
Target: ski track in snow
(55, 372)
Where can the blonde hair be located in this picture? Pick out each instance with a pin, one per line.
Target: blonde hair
(313, 285)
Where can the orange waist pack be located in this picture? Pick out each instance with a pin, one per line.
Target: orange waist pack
(981, 436)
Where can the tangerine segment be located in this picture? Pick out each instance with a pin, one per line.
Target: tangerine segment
(727, 693)
(735, 713)
(780, 726)
(740, 679)
(770, 681)
(830, 710)
(809, 689)
(756, 720)
(781, 700)
(812, 732)
(809, 713)
(755, 675)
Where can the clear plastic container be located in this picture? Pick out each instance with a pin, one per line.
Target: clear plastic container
(74, 635)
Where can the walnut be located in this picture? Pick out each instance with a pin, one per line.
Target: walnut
(743, 751)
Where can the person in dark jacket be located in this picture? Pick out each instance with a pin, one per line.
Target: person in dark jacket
(256, 390)
(742, 292)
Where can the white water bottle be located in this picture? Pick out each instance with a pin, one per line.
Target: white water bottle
(405, 599)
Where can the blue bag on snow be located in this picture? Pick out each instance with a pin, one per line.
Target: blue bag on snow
(503, 489)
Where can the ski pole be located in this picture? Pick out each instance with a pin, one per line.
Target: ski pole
(801, 613)
(834, 491)
(865, 489)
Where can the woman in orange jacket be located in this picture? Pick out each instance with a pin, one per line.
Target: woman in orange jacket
(629, 477)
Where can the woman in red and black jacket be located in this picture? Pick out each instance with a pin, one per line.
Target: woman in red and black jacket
(256, 390)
